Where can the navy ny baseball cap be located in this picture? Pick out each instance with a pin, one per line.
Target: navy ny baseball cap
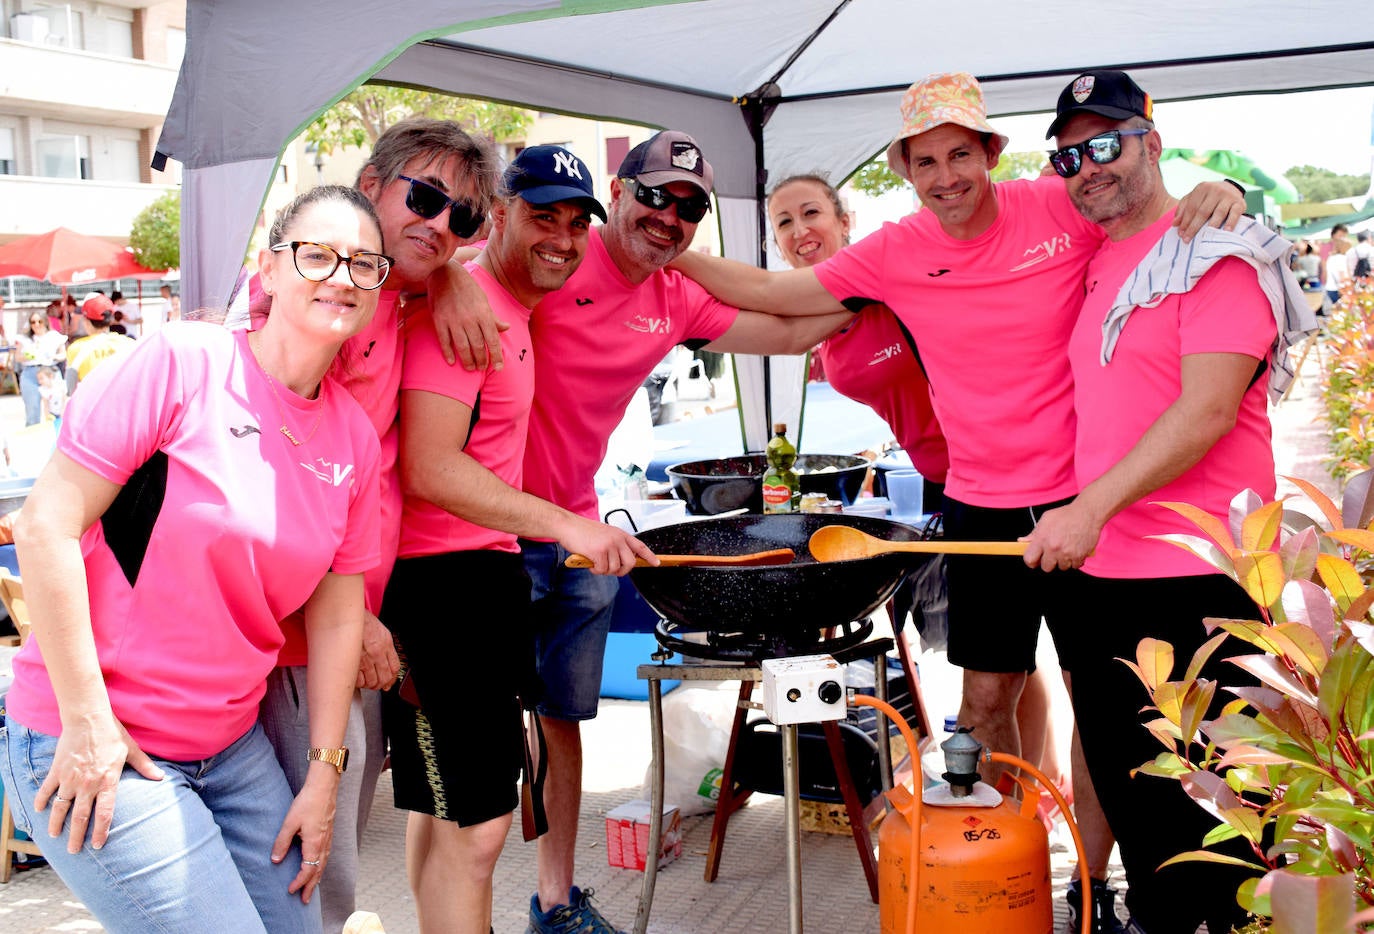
(547, 174)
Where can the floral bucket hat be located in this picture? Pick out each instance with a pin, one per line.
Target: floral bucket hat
(934, 101)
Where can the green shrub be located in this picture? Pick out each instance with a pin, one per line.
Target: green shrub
(1348, 383)
(156, 233)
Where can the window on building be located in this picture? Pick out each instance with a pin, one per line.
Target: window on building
(617, 148)
(111, 32)
(8, 164)
(65, 25)
(64, 156)
(176, 46)
(123, 161)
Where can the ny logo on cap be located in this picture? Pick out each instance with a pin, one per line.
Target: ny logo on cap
(566, 163)
(1083, 87)
(686, 156)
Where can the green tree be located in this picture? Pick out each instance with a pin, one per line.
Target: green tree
(366, 113)
(1316, 184)
(876, 178)
(156, 233)
(1018, 165)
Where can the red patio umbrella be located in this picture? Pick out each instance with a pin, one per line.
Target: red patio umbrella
(64, 257)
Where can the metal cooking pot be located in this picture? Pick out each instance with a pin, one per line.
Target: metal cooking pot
(773, 600)
(710, 487)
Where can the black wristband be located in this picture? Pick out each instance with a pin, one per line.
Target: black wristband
(1239, 187)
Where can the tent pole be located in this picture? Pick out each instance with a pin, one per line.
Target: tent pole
(754, 115)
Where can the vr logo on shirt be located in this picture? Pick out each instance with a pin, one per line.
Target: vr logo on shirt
(645, 325)
(1044, 250)
(333, 474)
(885, 354)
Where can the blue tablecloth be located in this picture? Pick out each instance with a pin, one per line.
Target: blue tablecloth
(833, 425)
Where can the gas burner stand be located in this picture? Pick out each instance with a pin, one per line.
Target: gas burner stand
(748, 669)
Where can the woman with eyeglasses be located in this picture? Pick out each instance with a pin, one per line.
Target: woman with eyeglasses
(160, 550)
(36, 346)
(872, 360)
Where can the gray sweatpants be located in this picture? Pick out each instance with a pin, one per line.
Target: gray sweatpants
(285, 717)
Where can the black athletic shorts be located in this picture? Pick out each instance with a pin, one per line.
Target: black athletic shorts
(996, 603)
(462, 624)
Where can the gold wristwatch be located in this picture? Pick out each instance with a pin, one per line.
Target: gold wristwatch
(335, 757)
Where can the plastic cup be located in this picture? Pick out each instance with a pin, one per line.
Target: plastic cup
(905, 488)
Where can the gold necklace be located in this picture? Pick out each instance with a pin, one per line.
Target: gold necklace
(281, 409)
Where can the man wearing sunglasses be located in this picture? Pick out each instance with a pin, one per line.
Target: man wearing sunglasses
(430, 183)
(1168, 356)
(454, 766)
(988, 279)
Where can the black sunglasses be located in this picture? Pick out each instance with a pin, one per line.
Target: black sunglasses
(1100, 149)
(690, 209)
(427, 201)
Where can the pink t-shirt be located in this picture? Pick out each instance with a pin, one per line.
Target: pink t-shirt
(1226, 312)
(247, 527)
(369, 367)
(500, 403)
(992, 318)
(871, 361)
(600, 337)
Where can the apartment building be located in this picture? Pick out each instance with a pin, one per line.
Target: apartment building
(86, 86)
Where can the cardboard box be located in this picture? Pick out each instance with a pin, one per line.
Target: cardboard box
(627, 835)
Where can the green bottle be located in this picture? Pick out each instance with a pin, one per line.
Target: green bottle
(781, 491)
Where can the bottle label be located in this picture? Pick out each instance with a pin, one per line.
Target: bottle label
(777, 497)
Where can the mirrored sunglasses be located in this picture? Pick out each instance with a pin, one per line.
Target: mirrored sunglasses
(427, 201)
(1100, 149)
(317, 262)
(690, 209)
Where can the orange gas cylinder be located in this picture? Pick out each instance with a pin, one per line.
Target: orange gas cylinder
(985, 864)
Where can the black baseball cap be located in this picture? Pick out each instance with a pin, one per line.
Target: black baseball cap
(547, 174)
(1107, 93)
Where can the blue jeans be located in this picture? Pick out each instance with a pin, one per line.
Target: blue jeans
(28, 390)
(189, 853)
(572, 614)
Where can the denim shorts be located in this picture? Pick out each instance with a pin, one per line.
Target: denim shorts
(572, 614)
(189, 853)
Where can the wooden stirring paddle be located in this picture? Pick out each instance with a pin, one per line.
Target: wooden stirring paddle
(845, 543)
(776, 556)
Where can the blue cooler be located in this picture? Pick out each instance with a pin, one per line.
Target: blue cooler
(630, 644)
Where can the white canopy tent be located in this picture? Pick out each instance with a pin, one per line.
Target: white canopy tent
(768, 87)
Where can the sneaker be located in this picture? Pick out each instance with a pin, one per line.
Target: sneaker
(1105, 920)
(580, 917)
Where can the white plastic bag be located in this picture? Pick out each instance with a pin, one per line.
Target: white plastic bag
(696, 737)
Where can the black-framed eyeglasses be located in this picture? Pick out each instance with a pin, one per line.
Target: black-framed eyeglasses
(690, 209)
(317, 262)
(427, 201)
(1101, 149)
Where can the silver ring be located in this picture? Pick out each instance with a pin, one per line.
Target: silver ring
(62, 799)
(310, 862)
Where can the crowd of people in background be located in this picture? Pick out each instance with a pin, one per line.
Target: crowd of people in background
(69, 338)
(1334, 264)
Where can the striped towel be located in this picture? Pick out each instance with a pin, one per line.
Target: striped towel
(1174, 267)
